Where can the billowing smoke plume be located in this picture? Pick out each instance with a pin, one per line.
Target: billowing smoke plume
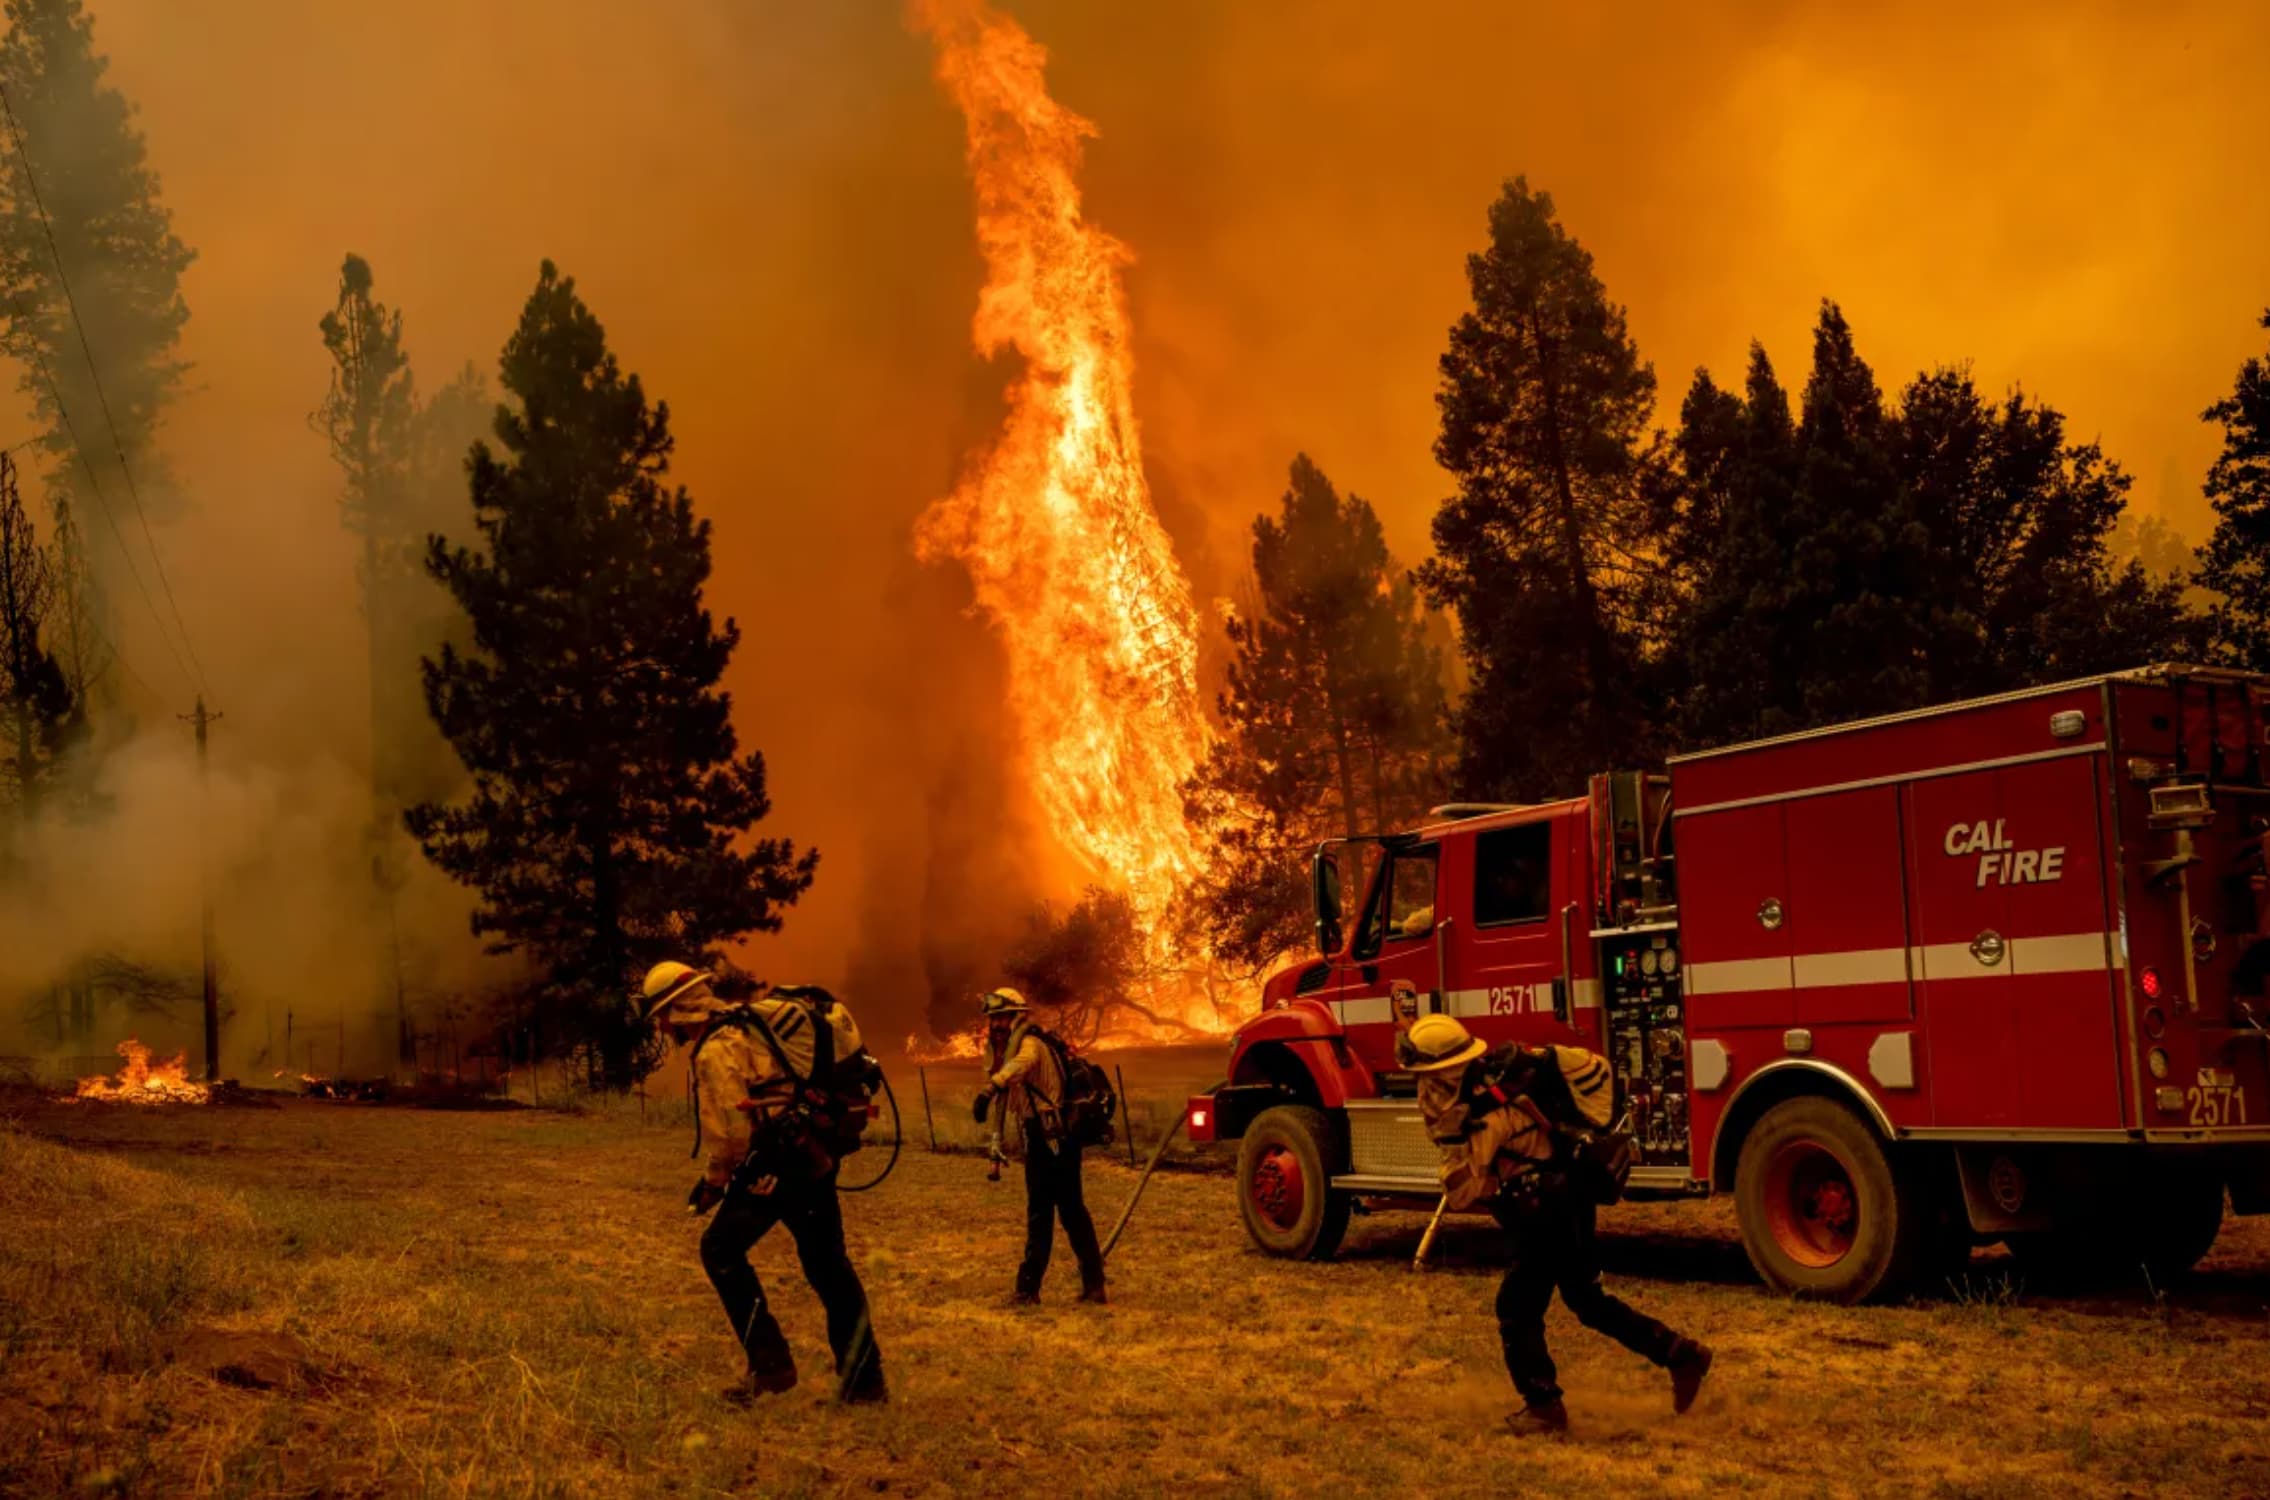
(771, 209)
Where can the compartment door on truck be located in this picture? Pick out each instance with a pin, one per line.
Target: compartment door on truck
(1517, 928)
(1847, 915)
(1734, 909)
(2011, 949)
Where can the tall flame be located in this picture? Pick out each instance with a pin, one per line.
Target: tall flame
(1055, 523)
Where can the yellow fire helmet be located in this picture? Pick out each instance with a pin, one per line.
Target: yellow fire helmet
(1435, 1044)
(667, 983)
(1005, 1002)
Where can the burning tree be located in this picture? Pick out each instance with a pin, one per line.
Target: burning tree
(1055, 524)
(1090, 966)
(607, 820)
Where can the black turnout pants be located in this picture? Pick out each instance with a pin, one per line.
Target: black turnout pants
(1052, 1192)
(815, 1219)
(1553, 1247)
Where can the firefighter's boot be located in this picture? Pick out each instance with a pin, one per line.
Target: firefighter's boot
(767, 1380)
(1550, 1419)
(1094, 1292)
(867, 1388)
(1690, 1362)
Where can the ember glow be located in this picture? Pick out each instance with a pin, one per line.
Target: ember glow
(1055, 523)
(141, 1081)
(962, 1046)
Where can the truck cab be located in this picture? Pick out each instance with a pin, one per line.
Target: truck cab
(1486, 912)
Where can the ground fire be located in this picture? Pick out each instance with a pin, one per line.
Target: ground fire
(144, 1081)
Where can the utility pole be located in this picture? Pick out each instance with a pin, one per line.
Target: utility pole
(205, 888)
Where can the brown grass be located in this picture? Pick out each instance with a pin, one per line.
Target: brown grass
(509, 1304)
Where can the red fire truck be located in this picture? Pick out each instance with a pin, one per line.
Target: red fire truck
(1904, 986)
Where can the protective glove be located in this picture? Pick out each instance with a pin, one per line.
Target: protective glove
(705, 1196)
(981, 1104)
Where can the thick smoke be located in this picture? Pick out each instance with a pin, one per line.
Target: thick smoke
(768, 207)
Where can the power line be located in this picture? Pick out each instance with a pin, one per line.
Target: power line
(116, 654)
(94, 374)
(102, 502)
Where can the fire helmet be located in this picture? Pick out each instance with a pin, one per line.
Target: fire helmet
(1005, 1002)
(667, 983)
(1435, 1044)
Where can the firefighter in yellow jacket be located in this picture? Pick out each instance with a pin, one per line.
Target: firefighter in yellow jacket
(1023, 1088)
(748, 1063)
(1503, 1119)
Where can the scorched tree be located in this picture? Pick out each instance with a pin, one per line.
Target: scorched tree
(606, 823)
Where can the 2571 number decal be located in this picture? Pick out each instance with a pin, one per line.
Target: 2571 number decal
(2216, 1105)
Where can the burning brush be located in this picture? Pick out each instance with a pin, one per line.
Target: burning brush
(141, 1081)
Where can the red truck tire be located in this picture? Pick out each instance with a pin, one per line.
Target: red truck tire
(1824, 1212)
(1284, 1170)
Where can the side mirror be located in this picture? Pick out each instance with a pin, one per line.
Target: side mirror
(1324, 888)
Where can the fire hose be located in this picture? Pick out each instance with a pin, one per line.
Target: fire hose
(898, 1138)
(1157, 1153)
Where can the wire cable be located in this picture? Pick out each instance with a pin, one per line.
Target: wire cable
(102, 501)
(94, 374)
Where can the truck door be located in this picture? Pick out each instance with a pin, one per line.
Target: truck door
(1523, 919)
(1394, 941)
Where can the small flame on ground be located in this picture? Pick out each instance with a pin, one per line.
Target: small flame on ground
(141, 1081)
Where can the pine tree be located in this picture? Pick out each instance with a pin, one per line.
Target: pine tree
(1868, 559)
(2021, 526)
(118, 249)
(607, 820)
(367, 418)
(33, 693)
(1545, 551)
(1333, 716)
(1738, 458)
(1815, 602)
(2235, 563)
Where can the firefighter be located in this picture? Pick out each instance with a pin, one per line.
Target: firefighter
(1025, 1078)
(763, 1169)
(1504, 1119)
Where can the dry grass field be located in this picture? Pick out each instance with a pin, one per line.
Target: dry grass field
(332, 1299)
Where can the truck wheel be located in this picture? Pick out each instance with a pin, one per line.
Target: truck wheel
(1823, 1213)
(2183, 1224)
(1284, 1170)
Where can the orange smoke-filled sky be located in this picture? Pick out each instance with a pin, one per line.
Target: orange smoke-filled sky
(767, 206)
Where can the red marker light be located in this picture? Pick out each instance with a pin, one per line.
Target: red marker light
(1198, 1119)
(2150, 982)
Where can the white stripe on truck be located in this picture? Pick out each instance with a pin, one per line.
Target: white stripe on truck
(1505, 1000)
(2061, 953)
